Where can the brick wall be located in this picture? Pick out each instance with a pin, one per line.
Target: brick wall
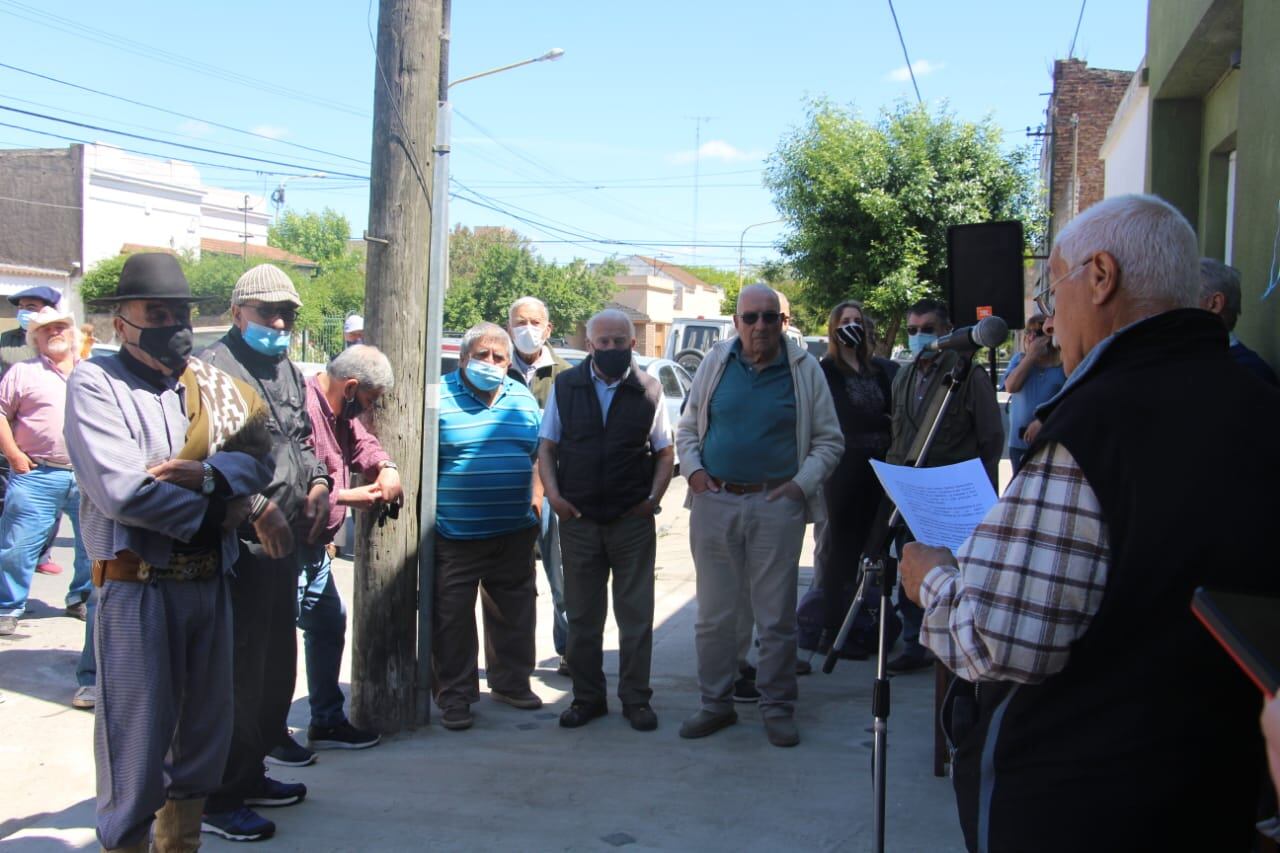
(40, 206)
(1092, 95)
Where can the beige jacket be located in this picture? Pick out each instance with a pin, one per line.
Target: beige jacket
(819, 442)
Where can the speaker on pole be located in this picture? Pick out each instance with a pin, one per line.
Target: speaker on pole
(984, 272)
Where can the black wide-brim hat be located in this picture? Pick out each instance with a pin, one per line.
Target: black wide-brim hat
(152, 275)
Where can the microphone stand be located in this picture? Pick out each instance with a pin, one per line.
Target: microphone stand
(878, 573)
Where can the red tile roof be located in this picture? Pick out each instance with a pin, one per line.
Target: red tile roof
(230, 247)
(680, 274)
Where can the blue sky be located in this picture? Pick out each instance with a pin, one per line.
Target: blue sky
(599, 144)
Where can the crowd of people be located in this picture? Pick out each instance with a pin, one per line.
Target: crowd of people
(204, 493)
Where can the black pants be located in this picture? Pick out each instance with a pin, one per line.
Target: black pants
(591, 550)
(264, 598)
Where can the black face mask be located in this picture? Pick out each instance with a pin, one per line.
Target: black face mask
(612, 362)
(353, 408)
(169, 345)
(850, 335)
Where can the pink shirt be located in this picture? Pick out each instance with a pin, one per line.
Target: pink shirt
(341, 444)
(33, 399)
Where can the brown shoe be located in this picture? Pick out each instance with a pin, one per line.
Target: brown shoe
(782, 731)
(706, 723)
(525, 700)
(457, 718)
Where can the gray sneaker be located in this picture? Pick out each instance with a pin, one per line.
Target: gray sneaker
(86, 697)
(706, 722)
(8, 625)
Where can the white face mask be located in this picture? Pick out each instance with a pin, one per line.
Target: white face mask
(528, 338)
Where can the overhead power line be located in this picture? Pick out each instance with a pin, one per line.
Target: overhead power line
(178, 114)
(200, 148)
(903, 42)
(40, 17)
(1071, 51)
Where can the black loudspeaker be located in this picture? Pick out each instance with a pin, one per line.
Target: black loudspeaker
(984, 272)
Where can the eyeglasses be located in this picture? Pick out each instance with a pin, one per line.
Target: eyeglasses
(928, 329)
(1045, 301)
(270, 311)
(770, 318)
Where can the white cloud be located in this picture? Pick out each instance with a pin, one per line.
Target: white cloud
(192, 127)
(716, 149)
(270, 131)
(920, 66)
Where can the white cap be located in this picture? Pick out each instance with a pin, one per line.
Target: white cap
(47, 316)
(354, 323)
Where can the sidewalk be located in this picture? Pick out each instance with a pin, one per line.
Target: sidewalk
(517, 781)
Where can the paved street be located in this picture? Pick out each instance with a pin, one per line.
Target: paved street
(517, 780)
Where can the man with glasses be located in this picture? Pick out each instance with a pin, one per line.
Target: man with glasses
(970, 429)
(1105, 716)
(758, 438)
(292, 510)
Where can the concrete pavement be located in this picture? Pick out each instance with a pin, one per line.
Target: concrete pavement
(516, 781)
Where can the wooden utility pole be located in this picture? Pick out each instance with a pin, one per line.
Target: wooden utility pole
(385, 606)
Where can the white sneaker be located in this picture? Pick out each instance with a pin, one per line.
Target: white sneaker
(86, 698)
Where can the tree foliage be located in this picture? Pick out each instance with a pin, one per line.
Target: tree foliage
(868, 204)
(490, 268)
(321, 237)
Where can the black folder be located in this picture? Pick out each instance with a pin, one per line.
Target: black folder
(1248, 627)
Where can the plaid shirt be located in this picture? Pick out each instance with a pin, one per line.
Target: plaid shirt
(1031, 577)
(341, 444)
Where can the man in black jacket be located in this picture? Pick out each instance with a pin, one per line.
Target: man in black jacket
(1106, 717)
(264, 590)
(605, 458)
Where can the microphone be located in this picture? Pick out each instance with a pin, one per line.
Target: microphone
(987, 332)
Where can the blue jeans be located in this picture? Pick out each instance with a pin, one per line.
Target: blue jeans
(87, 668)
(553, 565)
(323, 621)
(33, 506)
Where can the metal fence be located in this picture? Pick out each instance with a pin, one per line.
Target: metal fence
(318, 345)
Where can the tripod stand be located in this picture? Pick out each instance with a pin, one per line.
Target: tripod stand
(878, 573)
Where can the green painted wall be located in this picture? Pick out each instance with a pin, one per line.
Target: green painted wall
(1170, 25)
(1173, 154)
(1217, 139)
(1258, 174)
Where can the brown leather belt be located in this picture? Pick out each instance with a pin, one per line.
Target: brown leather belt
(128, 566)
(746, 488)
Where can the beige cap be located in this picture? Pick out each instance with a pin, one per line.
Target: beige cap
(49, 315)
(265, 283)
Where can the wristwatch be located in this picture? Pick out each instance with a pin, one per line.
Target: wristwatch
(653, 501)
(208, 484)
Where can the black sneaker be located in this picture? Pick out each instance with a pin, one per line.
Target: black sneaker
(342, 736)
(240, 825)
(911, 660)
(744, 689)
(290, 753)
(271, 792)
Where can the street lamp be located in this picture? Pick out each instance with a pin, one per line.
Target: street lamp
(437, 283)
(277, 195)
(742, 240)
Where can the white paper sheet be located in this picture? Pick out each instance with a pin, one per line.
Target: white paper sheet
(942, 505)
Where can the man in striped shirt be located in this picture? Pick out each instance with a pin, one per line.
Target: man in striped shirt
(486, 524)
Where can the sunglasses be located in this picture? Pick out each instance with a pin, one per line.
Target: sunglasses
(770, 318)
(930, 329)
(285, 312)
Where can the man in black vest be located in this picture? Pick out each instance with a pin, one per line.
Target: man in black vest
(605, 459)
(1106, 717)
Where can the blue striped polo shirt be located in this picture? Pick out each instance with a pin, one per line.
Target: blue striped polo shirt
(486, 461)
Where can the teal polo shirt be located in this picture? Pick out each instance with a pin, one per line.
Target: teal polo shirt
(751, 432)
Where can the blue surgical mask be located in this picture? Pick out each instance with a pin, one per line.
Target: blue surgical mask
(269, 342)
(485, 376)
(24, 317)
(919, 342)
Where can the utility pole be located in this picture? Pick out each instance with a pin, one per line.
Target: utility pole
(697, 163)
(244, 251)
(385, 601)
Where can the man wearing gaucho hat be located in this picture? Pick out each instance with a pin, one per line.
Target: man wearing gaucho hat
(167, 451)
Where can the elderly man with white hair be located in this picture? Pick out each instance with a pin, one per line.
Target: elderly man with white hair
(606, 459)
(485, 529)
(1104, 717)
(536, 364)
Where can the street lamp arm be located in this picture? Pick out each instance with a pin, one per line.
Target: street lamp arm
(551, 55)
(742, 241)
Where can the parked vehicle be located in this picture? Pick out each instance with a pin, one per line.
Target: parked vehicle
(691, 337)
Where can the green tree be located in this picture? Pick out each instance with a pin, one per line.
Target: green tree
(321, 237)
(869, 203)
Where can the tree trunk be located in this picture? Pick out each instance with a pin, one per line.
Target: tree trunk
(384, 607)
(884, 346)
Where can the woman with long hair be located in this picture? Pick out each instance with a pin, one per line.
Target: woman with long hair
(860, 386)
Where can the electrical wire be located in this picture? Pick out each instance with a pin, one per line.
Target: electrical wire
(168, 142)
(903, 42)
(1071, 51)
(178, 114)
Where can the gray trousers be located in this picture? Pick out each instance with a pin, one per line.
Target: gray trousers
(162, 724)
(739, 539)
(627, 548)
